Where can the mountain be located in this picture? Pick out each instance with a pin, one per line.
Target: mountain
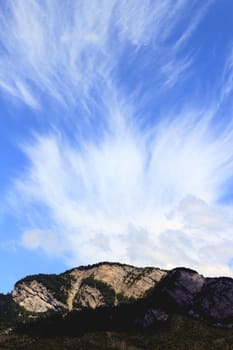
(103, 284)
(113, 297)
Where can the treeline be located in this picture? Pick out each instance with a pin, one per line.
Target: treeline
(124, 317)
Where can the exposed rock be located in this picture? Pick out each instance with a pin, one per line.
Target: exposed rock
(216, 300)
(34, 297)
(210, 299)
(90, 297)
(180, 288)
(151, 317)
(42, 293)
(131, 281)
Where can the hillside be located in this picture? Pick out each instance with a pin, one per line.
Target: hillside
(118, 302)
(104, 284)
(180, 334)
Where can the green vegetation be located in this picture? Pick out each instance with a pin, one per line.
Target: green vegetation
(89, 267)
(57, 284)
(110, 296)
(107, 291)
(77, 302)
(11, 313)
(134, 276)
(180, 334)
(123, 299)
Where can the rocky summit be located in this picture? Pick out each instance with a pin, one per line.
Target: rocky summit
(104, 284)
(114, 296)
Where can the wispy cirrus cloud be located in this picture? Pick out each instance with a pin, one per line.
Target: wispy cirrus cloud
(140, 198)
(65, 49)
(121, 186)
(227, 79)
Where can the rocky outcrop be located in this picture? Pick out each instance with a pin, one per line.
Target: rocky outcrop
(210, 299)
(35, 297)
(151, 317)
(127, 282)
(104, 284)
(216, 301)
(90, 297)
(180, 288)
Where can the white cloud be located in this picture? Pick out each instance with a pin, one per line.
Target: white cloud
(227, 81)
(175, 71)
(194, 21)
(132, 196)
(63, 49)
(43, 239)
(145, 197)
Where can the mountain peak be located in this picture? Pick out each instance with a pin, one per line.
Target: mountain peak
(84, 287)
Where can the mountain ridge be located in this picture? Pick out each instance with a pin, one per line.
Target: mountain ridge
(115, 296)
(127, 281)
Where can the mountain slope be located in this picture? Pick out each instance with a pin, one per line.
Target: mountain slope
(104, 284)
(108, 285)
(181, 333)
(114, 297)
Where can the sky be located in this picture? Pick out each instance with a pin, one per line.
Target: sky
(116, 136)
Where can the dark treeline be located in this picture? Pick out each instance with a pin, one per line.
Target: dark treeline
(120, 318)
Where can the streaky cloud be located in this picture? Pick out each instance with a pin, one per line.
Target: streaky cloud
(65, 49)
(118, 184)
(151, 197)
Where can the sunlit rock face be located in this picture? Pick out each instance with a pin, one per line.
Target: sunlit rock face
(35, 297)
(104, 284)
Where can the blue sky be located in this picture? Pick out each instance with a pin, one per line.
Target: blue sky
(116, 138)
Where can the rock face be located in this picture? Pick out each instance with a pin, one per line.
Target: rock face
(34, 297)
(90, 297)
(180, 288)
(104, 284)
(211, 299)
(216, 301)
